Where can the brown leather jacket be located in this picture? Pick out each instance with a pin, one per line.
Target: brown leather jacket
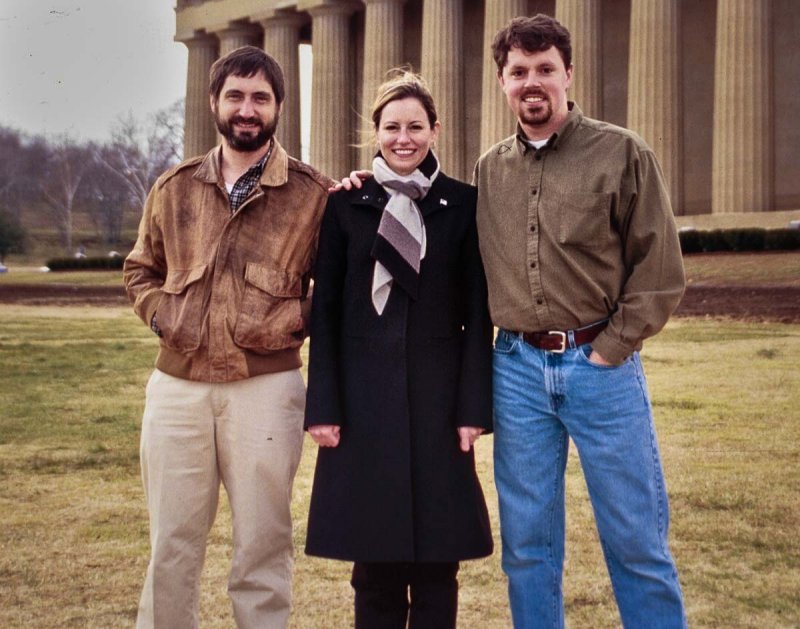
(230, 290)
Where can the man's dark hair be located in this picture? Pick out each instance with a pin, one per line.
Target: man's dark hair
(246, 61)
(531, 34)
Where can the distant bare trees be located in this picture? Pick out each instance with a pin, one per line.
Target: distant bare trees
(12, 235)
(140, 151)
(20, 161)
(61, 176)
(62, 173)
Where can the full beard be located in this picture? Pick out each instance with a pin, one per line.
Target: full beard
(246, 142)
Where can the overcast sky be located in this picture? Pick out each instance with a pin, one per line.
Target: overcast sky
(74, 66)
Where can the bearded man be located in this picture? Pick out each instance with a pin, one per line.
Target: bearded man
(220, 272)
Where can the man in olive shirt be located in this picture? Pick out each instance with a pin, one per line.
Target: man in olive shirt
(583, 263)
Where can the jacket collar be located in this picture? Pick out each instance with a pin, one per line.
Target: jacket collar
(276, 170)
(372, 194)
(573, 121)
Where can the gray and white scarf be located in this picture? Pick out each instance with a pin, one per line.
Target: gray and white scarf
(400, 243)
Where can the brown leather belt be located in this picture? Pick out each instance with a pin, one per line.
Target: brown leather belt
(558, 342)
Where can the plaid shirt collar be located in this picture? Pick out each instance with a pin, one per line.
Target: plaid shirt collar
(245, 184)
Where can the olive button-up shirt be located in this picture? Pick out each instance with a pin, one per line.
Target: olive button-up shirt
(579, 231)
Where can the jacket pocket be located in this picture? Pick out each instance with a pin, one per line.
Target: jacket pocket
(180, 310)
(585, 219)
(269, 318)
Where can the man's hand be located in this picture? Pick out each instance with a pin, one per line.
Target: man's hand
(597, 359)
(326, 436)
(468, 435)
(353, 181)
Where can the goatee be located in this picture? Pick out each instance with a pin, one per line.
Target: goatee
(539, 115)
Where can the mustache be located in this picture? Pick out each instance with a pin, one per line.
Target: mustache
(534, 92)
(243, 120)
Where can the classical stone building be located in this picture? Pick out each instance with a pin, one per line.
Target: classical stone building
(712, 85)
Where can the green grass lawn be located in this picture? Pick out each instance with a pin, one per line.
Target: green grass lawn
(74, 524)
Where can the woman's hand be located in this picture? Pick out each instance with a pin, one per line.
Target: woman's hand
(353, 181)
(326, 436)
(468, 435)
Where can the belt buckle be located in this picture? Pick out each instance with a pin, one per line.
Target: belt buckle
(563, 336)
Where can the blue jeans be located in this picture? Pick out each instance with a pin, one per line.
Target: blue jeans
(541, 400)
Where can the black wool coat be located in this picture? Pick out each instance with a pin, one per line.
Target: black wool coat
(397, 487)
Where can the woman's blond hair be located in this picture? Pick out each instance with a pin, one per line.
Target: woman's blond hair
(403, 83)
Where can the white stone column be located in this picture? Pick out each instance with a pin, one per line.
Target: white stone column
(497, 119)
(442, 41)
(582, 19)
(331, 87)
(383, 50)
(654, 95)
(200, 133)
(234, 36)
(282, 41)
(742, 175)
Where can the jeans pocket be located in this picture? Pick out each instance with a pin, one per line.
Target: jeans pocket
(585, 350)
(505, 343)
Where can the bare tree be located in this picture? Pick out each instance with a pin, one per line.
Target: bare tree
(63, 171)
(140, 151)
(168, 127)
(104, 197)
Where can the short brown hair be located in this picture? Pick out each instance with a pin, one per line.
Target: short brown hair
(403, 83)
(246, 61)
(531, 34)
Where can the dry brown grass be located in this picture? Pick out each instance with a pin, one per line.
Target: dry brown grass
(74, 528)
(738, 269)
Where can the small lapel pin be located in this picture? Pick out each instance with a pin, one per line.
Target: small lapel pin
(442, 201)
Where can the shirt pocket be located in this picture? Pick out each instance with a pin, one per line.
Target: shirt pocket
(585, 219)
(180, 311)
(270, 317)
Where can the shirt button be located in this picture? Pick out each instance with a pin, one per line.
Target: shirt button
(539, 301)
(533, 228)
(534, 191)
(533, 265)
(538, 157)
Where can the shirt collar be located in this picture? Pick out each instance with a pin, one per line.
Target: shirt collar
(275, 170)
(258, 167)
(574, 118)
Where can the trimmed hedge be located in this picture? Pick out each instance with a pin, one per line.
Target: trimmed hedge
(739, 239)
(83, 264)
(692, 241)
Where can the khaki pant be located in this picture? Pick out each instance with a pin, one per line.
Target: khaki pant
(249, 435)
